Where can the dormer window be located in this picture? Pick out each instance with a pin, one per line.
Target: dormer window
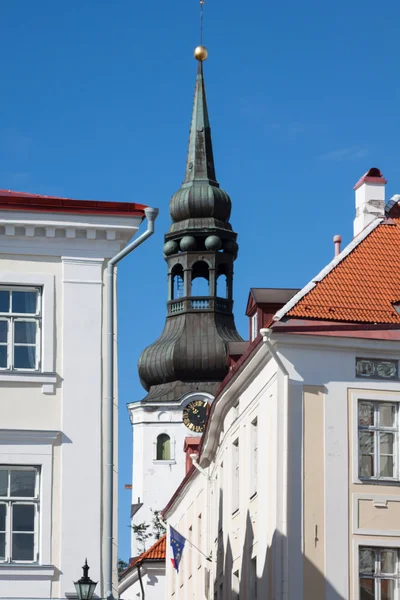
(254, 326)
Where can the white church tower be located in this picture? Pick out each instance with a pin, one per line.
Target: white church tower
(183, 368)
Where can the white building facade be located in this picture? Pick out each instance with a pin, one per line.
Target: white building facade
(53, 255)
(296, 491)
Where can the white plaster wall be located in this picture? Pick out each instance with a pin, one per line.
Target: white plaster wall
(331, 363)
(249, 532)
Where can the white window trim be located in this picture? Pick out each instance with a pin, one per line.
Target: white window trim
(172, 460)
(10, 502)
(47, 373)
(374, 542)
(373, 396)
(32, 448)
(235, 475)
(254, 445)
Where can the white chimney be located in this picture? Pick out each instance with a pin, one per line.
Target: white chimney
(370, 199)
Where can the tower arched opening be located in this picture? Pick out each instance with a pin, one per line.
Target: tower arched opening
(177, 282)
(200, 279)
(222, 287)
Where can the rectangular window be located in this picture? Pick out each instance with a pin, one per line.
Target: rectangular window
(377, 440)
(19, 507)
(254, 326)
(220, 490)
(235, 476)
(199, 540)
(378, 573)
(20, 320)
(254, 456)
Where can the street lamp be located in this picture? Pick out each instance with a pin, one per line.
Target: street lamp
(85, 586)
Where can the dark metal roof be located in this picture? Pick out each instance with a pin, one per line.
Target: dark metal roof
(200, 196)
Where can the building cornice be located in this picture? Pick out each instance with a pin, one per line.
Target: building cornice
(27, 232)
(28, 436)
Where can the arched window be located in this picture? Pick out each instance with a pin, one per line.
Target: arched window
(163, 447)
(177, 282)
(200, 279)
(222, 282)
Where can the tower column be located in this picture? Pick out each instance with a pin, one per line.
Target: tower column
(187, 282)
(212, 282)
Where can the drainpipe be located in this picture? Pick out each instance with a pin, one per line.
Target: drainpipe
(140, 581)
(266, 335)
(151, 215)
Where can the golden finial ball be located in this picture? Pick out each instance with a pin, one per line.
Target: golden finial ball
(200, 53)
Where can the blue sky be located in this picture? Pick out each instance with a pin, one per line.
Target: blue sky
(304, 97)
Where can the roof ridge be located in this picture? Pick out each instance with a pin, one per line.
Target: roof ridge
(327, 269)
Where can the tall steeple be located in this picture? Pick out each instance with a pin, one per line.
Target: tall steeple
(191, 353)
(200, 159)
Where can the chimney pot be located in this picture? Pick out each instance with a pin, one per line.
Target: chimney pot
(337, 240)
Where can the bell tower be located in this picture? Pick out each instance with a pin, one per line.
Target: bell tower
(183, 368)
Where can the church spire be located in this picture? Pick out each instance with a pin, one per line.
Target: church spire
(200, 159)
(200, 249)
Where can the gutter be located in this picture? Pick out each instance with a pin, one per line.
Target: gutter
(151, 215)
(283, 505)
(140, 581)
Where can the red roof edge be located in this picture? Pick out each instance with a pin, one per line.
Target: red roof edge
(22, 201)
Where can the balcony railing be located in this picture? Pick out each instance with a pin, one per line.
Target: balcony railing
(199, 303)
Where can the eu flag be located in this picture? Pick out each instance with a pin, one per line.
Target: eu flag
(177, 542)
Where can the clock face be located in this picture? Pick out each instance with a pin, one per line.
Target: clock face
(195, 415)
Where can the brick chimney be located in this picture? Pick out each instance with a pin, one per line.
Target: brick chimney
(190, 446)
(370, 199)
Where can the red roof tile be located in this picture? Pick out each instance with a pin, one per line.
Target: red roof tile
(364, 286)
(156, 552)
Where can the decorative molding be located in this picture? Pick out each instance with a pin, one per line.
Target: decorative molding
(26, 571)
(78, 260)
(380, 503)
(28, 436)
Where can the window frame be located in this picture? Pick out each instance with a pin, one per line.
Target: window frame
(166, 439)
(254, 326)
(235, 476)
(378, 545)
(391, 397)
(377, 430)
(12, 318)
(172, 441)
(10, 502)
(253, 457)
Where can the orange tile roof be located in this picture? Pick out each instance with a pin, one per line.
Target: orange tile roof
(156, 552)
(364, 285)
